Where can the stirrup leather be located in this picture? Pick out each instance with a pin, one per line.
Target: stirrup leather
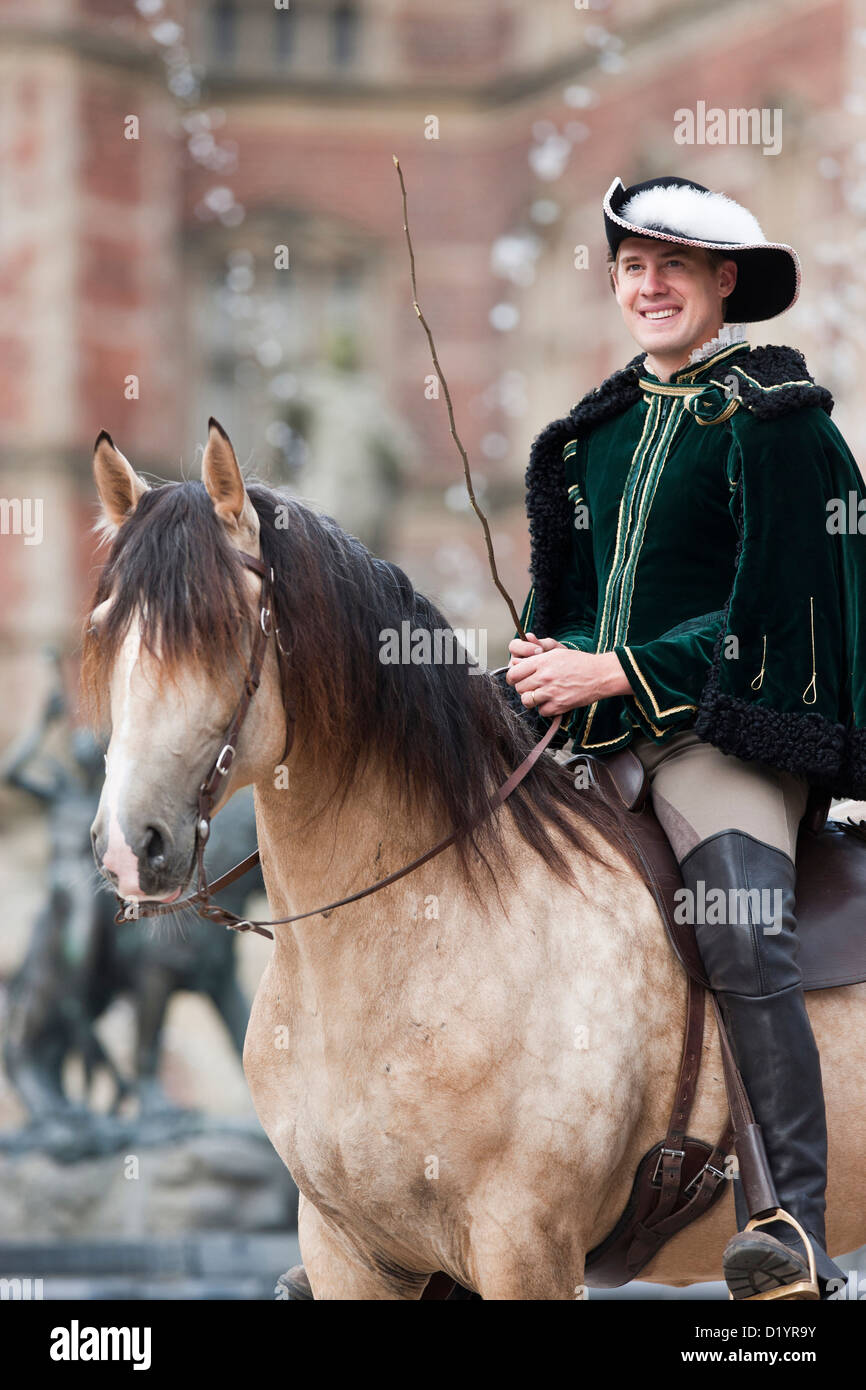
(807, 1289)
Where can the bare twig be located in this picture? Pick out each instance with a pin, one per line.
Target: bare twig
(467, 474)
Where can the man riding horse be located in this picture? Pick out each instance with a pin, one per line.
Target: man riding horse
(693, 597)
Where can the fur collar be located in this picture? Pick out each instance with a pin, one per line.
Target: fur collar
(547, 505)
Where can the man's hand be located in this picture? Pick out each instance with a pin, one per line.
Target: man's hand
(531, 646)
(553, 678)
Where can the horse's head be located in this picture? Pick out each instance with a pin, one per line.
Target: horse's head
(166, 650)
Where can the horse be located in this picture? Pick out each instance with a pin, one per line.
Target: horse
(462, 1070)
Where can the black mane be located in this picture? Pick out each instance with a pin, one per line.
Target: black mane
(449, 738)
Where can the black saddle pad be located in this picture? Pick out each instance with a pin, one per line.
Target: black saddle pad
(831, 906)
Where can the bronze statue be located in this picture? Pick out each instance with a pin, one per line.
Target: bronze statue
(78, 962)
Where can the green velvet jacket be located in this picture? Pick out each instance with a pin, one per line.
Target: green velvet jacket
(705, 529)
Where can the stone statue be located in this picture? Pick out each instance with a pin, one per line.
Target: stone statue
(78, 961)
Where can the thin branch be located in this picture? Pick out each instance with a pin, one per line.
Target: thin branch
(481, 517)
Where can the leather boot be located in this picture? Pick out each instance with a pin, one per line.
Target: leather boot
(748, 944)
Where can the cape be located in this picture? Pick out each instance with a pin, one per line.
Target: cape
(800, 570)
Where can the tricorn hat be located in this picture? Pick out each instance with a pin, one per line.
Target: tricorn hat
(679, 210)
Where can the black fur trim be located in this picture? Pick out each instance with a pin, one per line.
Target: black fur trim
(773, 366)
(615, 394)
(854, 772)
(807, 744)
(547, 505)
(549, 516)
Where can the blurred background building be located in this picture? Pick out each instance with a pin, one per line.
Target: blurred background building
(200, 214)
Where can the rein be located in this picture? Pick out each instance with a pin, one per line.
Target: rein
(201, 899)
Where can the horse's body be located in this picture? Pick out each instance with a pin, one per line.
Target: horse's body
(457, 1081)
(526, 1058)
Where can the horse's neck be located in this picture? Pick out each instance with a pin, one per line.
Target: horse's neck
(349, 845)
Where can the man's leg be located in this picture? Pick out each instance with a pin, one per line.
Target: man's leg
(733, 826)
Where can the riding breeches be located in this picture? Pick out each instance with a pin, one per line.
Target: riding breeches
(733, 827)
(697, 791)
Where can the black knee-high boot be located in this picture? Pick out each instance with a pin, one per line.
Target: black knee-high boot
(746, 933)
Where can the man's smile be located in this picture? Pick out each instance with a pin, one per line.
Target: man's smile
(656, 315)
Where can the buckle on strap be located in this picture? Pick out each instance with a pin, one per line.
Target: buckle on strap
(221, 767)
(691, 1188)
(656, 1180)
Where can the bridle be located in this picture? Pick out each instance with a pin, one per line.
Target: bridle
(210, 789)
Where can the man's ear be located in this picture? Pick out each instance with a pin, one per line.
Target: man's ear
(611, 275)
(221, 475)
(728, 272)
(117, 483)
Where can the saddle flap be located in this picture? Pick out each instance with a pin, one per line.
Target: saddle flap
(831, 906)
(622, 773)
(831, 878)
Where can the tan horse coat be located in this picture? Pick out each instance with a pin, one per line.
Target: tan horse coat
(454, 1087)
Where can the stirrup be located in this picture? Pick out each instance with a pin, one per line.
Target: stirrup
(807, 1289)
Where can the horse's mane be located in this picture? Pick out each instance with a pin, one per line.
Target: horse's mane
(449, 738)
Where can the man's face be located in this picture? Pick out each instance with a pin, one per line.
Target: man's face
(670, 298)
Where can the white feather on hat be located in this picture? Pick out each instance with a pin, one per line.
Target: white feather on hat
(706, 216)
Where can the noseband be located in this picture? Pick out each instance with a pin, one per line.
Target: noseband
(211, 788)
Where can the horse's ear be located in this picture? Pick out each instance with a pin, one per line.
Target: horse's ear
(221, 475)
(117, 483)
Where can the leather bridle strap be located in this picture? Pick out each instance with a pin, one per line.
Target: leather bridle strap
(218, 914)
(223, 917)
(201, 899)
(209, 790)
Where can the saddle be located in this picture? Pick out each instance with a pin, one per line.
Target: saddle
(680, 1177)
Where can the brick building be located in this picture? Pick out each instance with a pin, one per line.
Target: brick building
(199, 214)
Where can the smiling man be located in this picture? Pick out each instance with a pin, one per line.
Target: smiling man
(671, 610)
(670, 297)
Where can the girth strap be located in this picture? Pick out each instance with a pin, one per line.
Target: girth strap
(666, 1217)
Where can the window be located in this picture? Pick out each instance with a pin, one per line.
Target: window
(344, 34)
(284, 47)
(224, 21)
